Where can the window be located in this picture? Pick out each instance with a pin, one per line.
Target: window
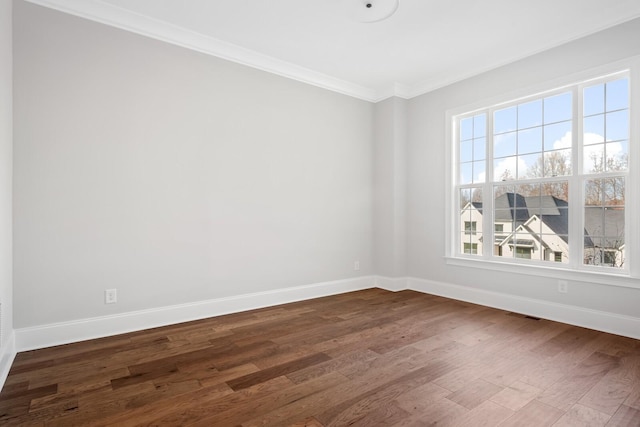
(470, 227)
(523, 252)
(547, 176)
(470, 248)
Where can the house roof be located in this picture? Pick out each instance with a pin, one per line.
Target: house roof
(555, 217)
(514, 206)
(510, 207)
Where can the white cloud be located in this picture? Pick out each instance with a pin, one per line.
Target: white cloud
(564, 142)
(592, 145)
(509, 164)
(498, 139)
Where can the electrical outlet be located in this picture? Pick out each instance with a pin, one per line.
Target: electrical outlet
(110, 296)
(563, 286)
(356, 265)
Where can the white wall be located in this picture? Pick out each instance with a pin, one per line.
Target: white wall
(174, 176)
(427, 150)
(6, 126)
(177, 177)
(390, 187)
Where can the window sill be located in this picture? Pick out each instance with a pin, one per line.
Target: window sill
(621, 279)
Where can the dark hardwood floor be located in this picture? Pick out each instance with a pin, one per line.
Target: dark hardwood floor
(369, 358)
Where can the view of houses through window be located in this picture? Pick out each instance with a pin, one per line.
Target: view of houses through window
(519, 167)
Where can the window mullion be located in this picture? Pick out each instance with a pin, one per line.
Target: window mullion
(633, 175)
(576, 186)
(487, 192)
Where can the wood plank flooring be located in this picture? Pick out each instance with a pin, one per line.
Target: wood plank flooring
(369, 358)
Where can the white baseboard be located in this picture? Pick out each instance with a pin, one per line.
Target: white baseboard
(393, 284)
(97, 327)
(7, 355)
(593, 319)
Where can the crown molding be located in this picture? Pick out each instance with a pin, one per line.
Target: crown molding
(396, 89)
(114, 16)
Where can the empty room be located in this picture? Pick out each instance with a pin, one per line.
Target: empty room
(297, 213)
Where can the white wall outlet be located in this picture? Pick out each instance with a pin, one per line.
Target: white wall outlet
(563, 286)
(356, 265)
(110, 296)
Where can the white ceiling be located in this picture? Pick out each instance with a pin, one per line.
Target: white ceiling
(425, 45)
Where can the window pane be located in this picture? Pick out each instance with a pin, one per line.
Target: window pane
(504, 169)
(479, 172)
(533, 223)
(557, 108)
(613, 191)
(476, 197)
(505, 144)
(465, 198)
(593, 192)
(593, 158)
(500, 190)
(504, 219)
(465, 239)
(617, 94)
(604, 252)
(472, 150)
(556, 249)
(505, 120)
(594, 100)
(617, 125)
(616, 156)
(593, 129)
(530, 140)
(525, 190)
(466, 129)
(614, 222)
(605, 192)
(466, 173)
(604, 219)
(530, 114)
(559, 190)
(557, 163)
(479, 126)
(527, 166)
(466, 151)
(479, 148)
(557, 136)
(471, 221)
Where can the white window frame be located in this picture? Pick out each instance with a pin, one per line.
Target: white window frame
(575, 270)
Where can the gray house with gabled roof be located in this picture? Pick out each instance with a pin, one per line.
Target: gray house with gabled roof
(537, 227)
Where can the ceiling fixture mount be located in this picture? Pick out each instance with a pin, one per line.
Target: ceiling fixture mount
(374, 10)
